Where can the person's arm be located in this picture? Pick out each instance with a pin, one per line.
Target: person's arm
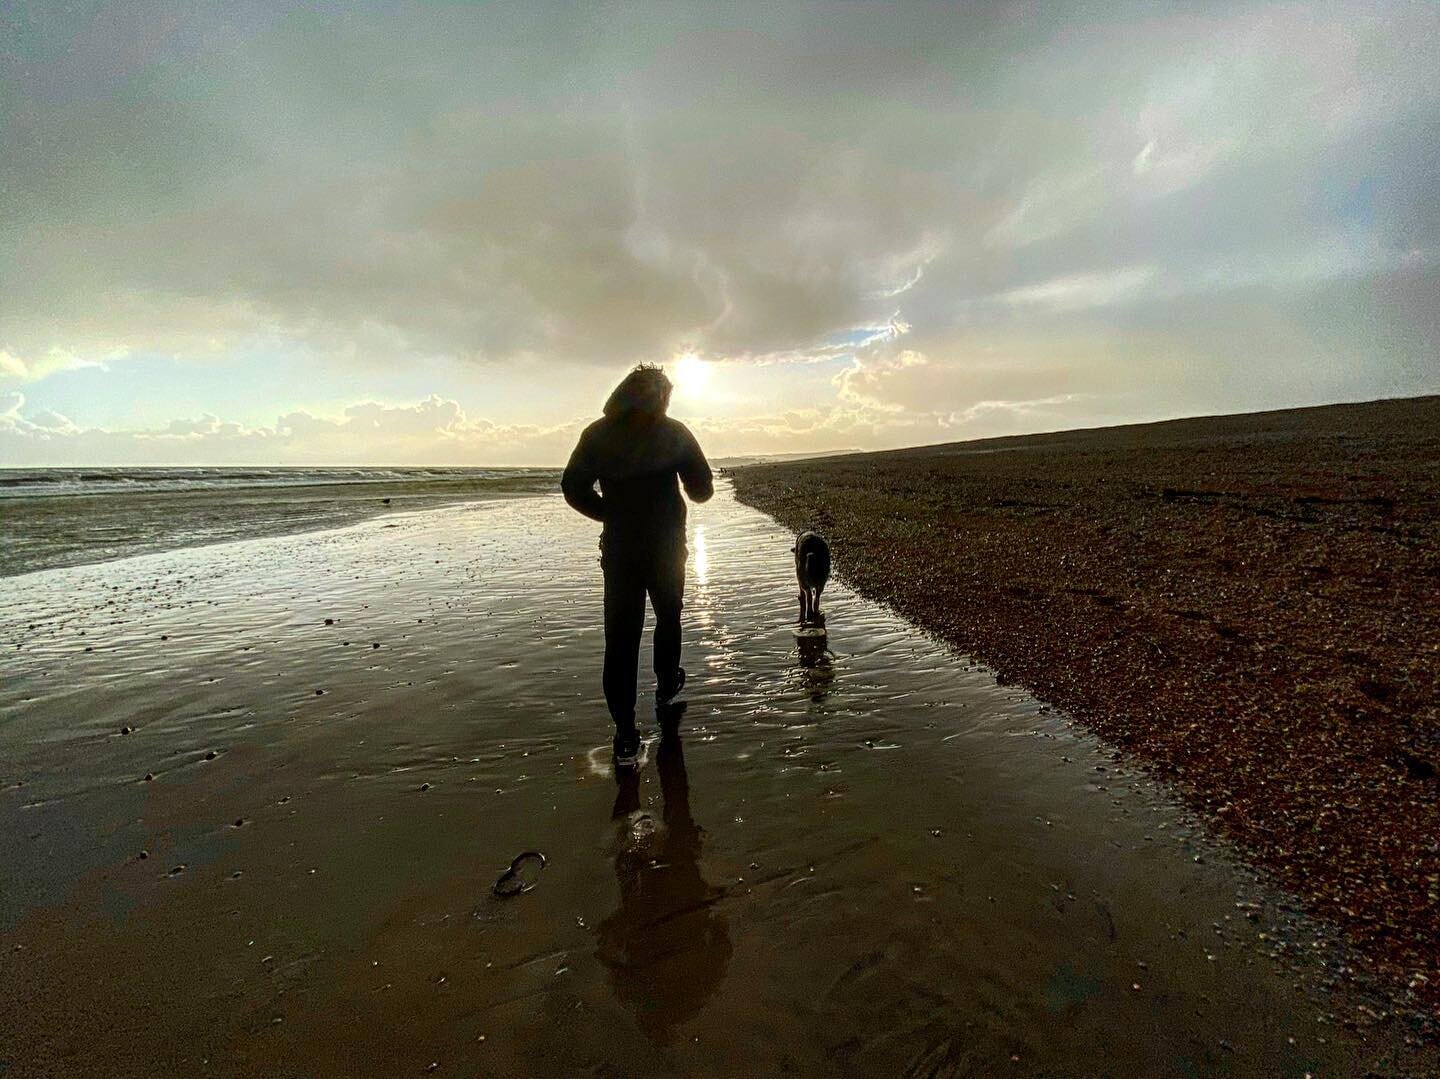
(695, 470)
(578, 482)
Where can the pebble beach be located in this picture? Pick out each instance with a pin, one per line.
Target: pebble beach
(1243, 605)
(258, 800)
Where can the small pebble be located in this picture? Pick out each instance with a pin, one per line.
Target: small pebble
(143, 855)
(149, 777)
(329, 621)
(319, 693)
(424, 786)
(210, 756)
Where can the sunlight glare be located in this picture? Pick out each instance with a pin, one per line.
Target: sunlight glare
(692, 375)
(702, 558)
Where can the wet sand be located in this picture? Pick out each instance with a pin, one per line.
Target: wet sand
(74, 517)
(874, 861)
(1246, 604)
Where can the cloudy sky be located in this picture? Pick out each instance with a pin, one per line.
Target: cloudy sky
(341, 232)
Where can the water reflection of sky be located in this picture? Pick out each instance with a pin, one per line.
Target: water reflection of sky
(873, 862)
(702, 557)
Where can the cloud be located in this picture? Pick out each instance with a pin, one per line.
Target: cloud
(859, 384)
(17, 369)
(41, 423)
(431, 431)
(1017, 410)
(1080, 291)
(1050, 203)
(438, 431)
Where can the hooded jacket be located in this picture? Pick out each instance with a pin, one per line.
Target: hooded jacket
(639, 457)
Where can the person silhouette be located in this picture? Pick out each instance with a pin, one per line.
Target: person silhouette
(640, 457)
(667, 946)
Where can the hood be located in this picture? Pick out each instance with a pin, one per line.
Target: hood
(644, 391)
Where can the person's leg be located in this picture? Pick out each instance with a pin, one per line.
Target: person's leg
(667, 596)
(624, 621)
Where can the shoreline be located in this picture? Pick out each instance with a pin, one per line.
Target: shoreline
(54, 531)
(267, 840)
(1243, 604)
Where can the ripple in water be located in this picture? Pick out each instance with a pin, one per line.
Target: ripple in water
(860, 854)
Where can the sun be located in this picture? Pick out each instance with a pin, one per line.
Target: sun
(692, 374)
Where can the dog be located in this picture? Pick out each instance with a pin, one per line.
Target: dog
(812, 570)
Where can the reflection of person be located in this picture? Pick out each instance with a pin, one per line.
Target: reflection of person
(636, 453)
(668, 944)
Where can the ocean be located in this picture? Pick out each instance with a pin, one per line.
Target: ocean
(53, 517)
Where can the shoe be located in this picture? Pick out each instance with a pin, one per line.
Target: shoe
(668, 691)
(626, 748)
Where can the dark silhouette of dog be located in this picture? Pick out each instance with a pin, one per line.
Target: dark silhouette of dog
(812, 570)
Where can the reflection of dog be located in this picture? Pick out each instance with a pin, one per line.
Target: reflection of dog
(817, 671)
(812, 570)
(813, 651)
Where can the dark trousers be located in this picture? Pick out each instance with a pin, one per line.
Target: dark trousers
(633, 571)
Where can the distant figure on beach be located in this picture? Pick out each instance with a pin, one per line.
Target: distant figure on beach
(640, 457)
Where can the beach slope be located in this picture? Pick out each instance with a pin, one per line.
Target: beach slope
(1245, 603)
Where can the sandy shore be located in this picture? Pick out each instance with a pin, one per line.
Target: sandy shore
(1247, 604)
(869, 861)
(137, 516)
